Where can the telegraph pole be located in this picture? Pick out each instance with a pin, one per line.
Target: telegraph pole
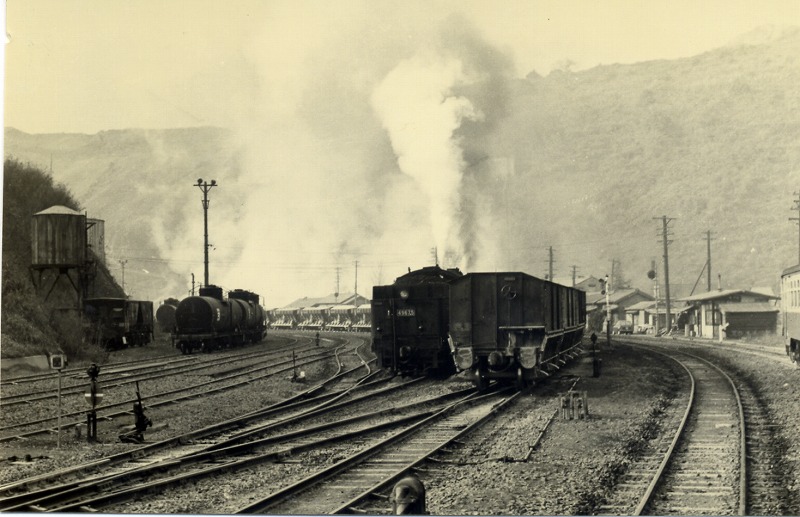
(122, 263)
(205, 187)
(797, 207)
(336, 294)
(665, 234)
(355, 289)
(708, 258)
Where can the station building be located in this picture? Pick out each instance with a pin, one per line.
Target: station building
(735, 313)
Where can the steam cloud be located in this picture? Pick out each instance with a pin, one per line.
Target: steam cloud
(438, 108)
(418, 108)
(327, 187)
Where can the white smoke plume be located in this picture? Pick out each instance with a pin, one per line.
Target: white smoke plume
(327, 185)
(418, 107)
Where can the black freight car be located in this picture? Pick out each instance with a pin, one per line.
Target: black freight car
(118, 322)
(410, 323)
(512, 326)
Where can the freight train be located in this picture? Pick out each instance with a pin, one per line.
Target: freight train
(209, 322)
(790, 313)
(513, 327)
(116, 323)
(410, 323)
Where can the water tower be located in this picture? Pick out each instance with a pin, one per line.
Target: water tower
(96, 238)
(58, 245)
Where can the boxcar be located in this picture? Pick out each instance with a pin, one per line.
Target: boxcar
(513, 327)
(118, 322)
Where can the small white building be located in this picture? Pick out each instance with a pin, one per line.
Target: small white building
(739, 312)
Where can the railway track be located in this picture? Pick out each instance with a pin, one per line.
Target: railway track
(699, 466)
(32, 492)
(350, 485)
(116, 377)
(238, 378)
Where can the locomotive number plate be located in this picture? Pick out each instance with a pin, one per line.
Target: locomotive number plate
(406, 312)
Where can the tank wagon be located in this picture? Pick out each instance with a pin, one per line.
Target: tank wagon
(118, 322)
(210, 322)
(165, 315)
(790, 311)
(513, 327)
(410, 323)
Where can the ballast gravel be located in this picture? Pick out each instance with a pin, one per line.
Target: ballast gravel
(501, 469)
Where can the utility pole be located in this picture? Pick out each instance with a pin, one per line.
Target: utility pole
(665, 238)
(122, 263)
(653, 275)
(205, 187)
(613, 278)
(336, 294)
(797, 207)
(608, 311)
(550, 262)
(708, 257)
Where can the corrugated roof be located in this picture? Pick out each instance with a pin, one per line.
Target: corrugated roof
(620, 294)
(592, 298)
(641, 306)
(713, 295)
(331, 299)
(747, 307)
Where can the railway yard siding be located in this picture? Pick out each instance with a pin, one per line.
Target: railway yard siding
(495, 471)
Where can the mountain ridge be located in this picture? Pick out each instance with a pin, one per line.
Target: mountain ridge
(598, 157)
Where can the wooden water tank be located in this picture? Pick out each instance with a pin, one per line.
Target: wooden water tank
(58, 238)
(96, 235)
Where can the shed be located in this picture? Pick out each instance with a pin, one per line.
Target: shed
(749, 319)
(706, 311)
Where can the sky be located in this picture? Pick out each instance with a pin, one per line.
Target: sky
(359, 99)
(90, 65)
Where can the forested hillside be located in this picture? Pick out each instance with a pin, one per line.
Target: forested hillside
(29, 325)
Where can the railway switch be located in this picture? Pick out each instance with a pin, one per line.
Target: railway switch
(141, 422)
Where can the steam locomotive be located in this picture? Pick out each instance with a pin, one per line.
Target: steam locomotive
(513, 327)
(410, 323)
(118, 322)
(210, 322)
